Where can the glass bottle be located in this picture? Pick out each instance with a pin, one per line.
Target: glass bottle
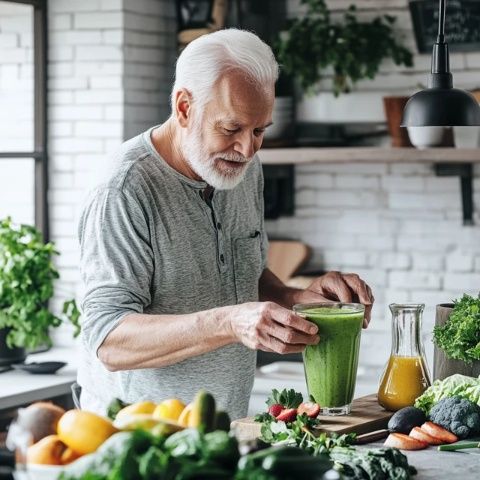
(406, 374)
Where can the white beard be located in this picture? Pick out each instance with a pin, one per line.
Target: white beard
(205, 165)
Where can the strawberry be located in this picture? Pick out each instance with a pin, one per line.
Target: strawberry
(439, 432)
(275, 410)
(404, 442)
(311, 409)
(288, 415)
(422, 435)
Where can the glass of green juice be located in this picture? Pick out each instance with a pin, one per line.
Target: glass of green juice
(331, 365)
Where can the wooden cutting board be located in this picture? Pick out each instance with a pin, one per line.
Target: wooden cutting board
(366, 416)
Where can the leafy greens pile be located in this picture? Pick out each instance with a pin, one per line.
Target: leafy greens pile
(139, 455)
(353, 463)
(459, 338)
(454, 386)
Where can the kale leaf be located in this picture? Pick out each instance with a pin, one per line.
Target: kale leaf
(459, 338)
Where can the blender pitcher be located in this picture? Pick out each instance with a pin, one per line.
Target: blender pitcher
(406, 374)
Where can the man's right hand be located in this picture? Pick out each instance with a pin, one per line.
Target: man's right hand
(269, 327)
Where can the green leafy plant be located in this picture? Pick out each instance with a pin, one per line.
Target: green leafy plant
(353, 49)
(459, 338)
(26, 284)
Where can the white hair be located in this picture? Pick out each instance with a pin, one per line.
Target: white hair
(207, 58)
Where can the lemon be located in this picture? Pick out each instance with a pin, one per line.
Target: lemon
(169, 409)
(184, 417)
(144, 407)
(135, 421)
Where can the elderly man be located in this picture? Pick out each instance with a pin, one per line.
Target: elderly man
(173, 245)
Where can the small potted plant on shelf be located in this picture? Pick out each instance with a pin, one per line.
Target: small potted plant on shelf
(315, 47)
(27, 277)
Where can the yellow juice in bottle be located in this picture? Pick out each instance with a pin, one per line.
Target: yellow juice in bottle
(404, 379)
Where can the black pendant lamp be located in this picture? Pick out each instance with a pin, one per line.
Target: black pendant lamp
(441, 105)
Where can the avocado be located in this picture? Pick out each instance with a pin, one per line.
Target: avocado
(405, 419)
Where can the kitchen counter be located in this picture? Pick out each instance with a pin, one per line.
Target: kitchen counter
(434, 465)
(18, 387)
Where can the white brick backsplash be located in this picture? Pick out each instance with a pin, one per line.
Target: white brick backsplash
(67, 83)
(60, 21)
(98, 20)
(76, 145)
(8, 40)
(312, 180)
(90, 37)
(61, 212)
(430, 262)
(61, 129)
(391, 260)
(410, 280)
(346, 259)
(443, 184)
(460, 261)
(99, 52)
(111, 4)
(60, 53)
(113, 37)
(73, 5)
(376, 242)
(98, 68)
(114, 112)
(477, 264)
(60, 98)
(402, 183)
(411, 169)
(468, 282)
(60, 69)
(75, 112)
(60, 163)
(472, 60)
(101, 129)
(349, 199)
(356, 182)
(98, 96)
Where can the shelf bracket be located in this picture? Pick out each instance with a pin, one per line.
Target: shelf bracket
(465, 172)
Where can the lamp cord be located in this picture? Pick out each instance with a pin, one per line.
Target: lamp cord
(441, 22)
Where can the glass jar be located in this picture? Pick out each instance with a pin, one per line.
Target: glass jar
(406, 374)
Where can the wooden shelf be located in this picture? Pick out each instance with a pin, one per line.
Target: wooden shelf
(305, 155)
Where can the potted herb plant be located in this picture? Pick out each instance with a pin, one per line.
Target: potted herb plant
(315, 47)
(456, 336)
(27, 277)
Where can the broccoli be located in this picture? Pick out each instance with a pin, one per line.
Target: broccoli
(458, 415)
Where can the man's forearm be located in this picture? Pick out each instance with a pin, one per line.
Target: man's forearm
(153, 341)
(272, 289)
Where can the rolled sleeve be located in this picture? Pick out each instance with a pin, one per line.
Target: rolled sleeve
(116, 263)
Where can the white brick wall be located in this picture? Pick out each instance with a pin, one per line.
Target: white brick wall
(399, 226)
(111, 65)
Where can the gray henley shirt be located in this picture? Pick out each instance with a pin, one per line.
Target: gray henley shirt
(151, 244)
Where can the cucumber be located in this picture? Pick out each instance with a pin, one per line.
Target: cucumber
(255, 459)
(303, 468)
(203, 412)
(222, 421)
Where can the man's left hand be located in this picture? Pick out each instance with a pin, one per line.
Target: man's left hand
(339, 287)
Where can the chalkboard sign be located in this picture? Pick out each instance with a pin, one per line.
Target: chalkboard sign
(462, 24)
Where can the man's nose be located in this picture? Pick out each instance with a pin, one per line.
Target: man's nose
(246, 145)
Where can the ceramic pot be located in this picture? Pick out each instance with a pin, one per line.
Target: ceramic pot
(442, 366)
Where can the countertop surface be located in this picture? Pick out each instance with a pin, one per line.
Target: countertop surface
(432, 464)
(18, 387)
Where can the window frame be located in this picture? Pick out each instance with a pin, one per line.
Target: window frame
(39, 153)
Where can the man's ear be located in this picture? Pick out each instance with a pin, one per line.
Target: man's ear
(183, 105)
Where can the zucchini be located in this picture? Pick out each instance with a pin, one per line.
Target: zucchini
(203, 412)
(307, 467)
(255, 459)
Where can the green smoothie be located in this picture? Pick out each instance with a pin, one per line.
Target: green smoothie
(331, 366)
